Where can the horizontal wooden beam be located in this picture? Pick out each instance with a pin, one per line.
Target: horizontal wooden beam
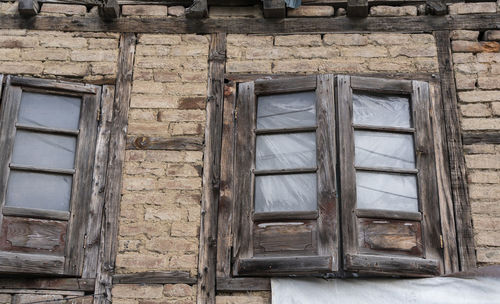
(47, 283)
(357, 8)
(162, 277)
(410, 24)
(243, 284)
(471, 138)
(162, 143)
(274, 8)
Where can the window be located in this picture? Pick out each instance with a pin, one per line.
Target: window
(333, 175)
(47, 144)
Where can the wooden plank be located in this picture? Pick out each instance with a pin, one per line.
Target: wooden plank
(226, 200)
(384, 129)
(463, 218)
(407, 24)
(28, 7)
(1, 87)
(163, 143)
(31, 263)
(39, 169)
(109, 10)
(285, 85)
(450, 251)
(199, 9)
(470, 138)
(436, 7)
(33, 236)
(43, 292)
(58, 85)
(387, 170)
(406, 266)
(265, 266)
(82, 184)
(47, 284)
(36, 213)
(389, 214)
(274, 8)
(47, 130)
(118, 137)
(285, 171)
(381, 85)
(285, 238)
(160, 277)
(291, 215)
(357, 8)
(286, 130)
(96, 206)
(328, 219)
(243, 284)
(68, 284)
(207, 259)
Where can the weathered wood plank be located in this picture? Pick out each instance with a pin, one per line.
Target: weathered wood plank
(377, 85)
(118, 135)
(389, 214)
(36, 213)
(31, 263)
(243, 284)
(43, 292)
(296, 238)
(396, 265)
(280, 216)
(471, 138)
(274, 8)
(162, 143)
(109, 10)
(58, 85)
(28, 7)
(357, 8)
(199, 9)
(161, 277)
(226, 201)
(285, 85)
(456, 159)
(436, 7)
(96, 206)
(48, 283)
(284, 265)
(411, 24)
(207, 260)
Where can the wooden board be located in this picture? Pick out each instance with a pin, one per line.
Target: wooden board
(277, 266)
(48, 283)
(160, 277)
(163, 143)
(492, 137)
(285, 238)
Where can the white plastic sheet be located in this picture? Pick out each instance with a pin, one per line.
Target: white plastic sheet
(439, 290)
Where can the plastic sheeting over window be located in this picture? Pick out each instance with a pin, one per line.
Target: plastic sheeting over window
(293, 3)
(374, 291)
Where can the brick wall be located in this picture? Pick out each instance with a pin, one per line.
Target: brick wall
(477, 76)
(160, 209)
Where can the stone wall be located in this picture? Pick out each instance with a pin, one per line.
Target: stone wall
(476, 60)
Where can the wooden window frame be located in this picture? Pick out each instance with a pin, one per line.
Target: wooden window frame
(71, 263)
(432, 262)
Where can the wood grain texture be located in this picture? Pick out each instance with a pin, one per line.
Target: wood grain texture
(243, 284)
(411, 24)
(207, 259)
(357, 8)
(67, 284)
(31, 263)
(58, 85)
(276, 266)
(96, 206)
(274, 8)
(286, 238)
(117, 144)
(197, 10)
(36, 213)
(463, 218)
(160, 277)
(389, 214)
(381, 85)
(285, 85)
(28, 7)
(226, 201)
(471, 138)
(405, 266)
(162, 143)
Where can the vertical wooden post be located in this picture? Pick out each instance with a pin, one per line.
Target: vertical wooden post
(357, 8)
(118, 141)
(207, 261)
(199, 9)
(28, 7)
(109, 10)
(463, 218)
(274, 8)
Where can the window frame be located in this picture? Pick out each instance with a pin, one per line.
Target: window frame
(230, 191)
(71, 263)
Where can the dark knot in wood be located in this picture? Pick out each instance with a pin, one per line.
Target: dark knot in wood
(142, 142)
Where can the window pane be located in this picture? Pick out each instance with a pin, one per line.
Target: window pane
(294, 192)
(44, 150)
(286, 151)
(381, 149)
(381, 110)
(39, 190)
(386, 191)
(286, 111)
(53, 111)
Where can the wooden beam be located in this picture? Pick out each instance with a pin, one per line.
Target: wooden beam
(199, 9)
(357, 8)
(28, 7)
(274, 9)
(436, 7)
(109, 10)
(135, 142)
(162, 277)
(207, 258)
(463, 218)
(48, 283)
(471, 138)
(243, 284)
(408, 24)
(118, 135)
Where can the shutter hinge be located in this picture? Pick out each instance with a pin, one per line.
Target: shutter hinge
(98, 115)
(441, 241)
(85, 241)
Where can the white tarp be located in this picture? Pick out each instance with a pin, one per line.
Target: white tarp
(480, 290)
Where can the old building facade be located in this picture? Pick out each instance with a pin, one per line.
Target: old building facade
(160, 202)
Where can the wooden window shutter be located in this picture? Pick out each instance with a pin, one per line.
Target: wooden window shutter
(404, 241)
(285, 242)
(46, 240)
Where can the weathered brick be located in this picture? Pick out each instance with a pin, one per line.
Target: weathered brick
(15, 42)
(488, 255)
(174, 244)
(488, 238)
(475, 47)
(464, 58)
(489, 83)
(166, 213)
(178, 290)
(9, 54)
(387, 11)
(94, 55)
(177, 10)
(24, 67)
(471, 68)
(296, 66)
(250, 40)
(483, 191)
(95, 43)
(481, 124)
(153, 101)
(183, 262)
(483, 177)
(181, 229)
(464, 35)
(298, 40)
(475, 110)
(260, 66)
(364, 51)
(488, 57)
(154, 39)
(241, 300)
(472, 8)
(67, 9)
(388, 39)
(103, 68)
(311, 11)
(465, 82)
(345, 39)
(66, 69)
(479, 96)
(144, 10)
(179, 183)
(136, 291)
(495, 107)
(485, 223)
(64, 42)
(479, 161)
(424, 50)
(138, 183)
